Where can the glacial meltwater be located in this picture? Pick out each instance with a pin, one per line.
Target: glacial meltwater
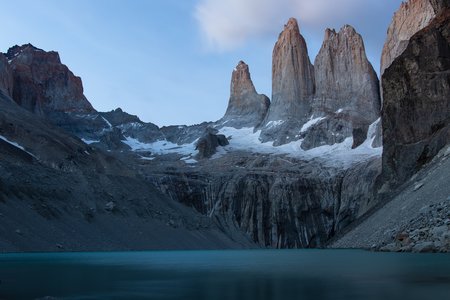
(254, 274)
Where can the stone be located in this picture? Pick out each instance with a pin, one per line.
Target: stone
(110, 206)
(292, 84)
(246, 108)
(42, 84)
(416, 108)
(423, 247)
(6, 77)
(208, 143)
(411, 17)
(345, 79)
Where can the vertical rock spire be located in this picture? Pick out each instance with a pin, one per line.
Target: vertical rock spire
(246, 108)
(345, 79)
(292, 76)
(292, 85)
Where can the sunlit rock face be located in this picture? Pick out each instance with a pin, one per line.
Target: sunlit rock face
(345, 79)
(246, 108)
(347, 90)
(292, 84)
(411, 17)
(42, 84)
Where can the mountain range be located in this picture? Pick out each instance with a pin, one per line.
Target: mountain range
(335, 158)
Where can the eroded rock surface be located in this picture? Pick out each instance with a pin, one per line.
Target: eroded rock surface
(411, 17)
(292, 85)
(43, 84)
(416, 112)
(246, 108)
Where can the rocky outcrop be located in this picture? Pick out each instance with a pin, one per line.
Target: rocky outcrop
(347, 90)
(6, 78)
(292, 85)
(345, 79)
(246, 108)
(208, 143)
(416, 112)
(411, 17)
(42, 84)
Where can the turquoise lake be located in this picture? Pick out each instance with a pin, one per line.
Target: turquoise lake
(253, 274)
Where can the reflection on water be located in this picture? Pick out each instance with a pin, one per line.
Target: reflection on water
(258, 274)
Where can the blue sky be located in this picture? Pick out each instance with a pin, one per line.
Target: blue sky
(170, 61)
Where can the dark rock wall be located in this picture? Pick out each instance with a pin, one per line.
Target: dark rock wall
(416, 112)
(288, 208)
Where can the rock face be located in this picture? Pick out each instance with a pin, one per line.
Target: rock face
(299, 205)
(416, 112)
(208, 143)
(246, 108)
(347, 91)
(345, 79)
(292, 83)
(6, 78)
(411, 17)
(42, 84)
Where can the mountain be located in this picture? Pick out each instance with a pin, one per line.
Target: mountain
(292, 86)
(416, 112)
(299, 171)
(412, 16)
(347, 99)
(416, 142)
(246, 108)
(36, 71)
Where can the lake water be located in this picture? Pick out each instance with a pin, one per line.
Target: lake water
(255, 274)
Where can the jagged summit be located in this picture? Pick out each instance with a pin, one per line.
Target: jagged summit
(42, 84)
(16, 50)
(246, 108)
(345, 79)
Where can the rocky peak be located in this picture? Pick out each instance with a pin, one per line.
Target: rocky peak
(292, 76)
(42, 84)
(246, 108)
(345, 79)
(241, 83)
(411, 17)
(292, 87)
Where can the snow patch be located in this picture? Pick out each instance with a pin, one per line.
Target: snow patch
(339, 110)
(273, 124)
(189, 160)
(310, 123)
(161, 147)
(88, 142)
(340, 154)
(107, 122)
(16, 145)
(147, 158)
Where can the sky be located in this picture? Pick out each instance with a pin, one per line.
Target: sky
(170, 61)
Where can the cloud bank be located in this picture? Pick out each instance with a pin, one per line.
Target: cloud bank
(226, 25)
